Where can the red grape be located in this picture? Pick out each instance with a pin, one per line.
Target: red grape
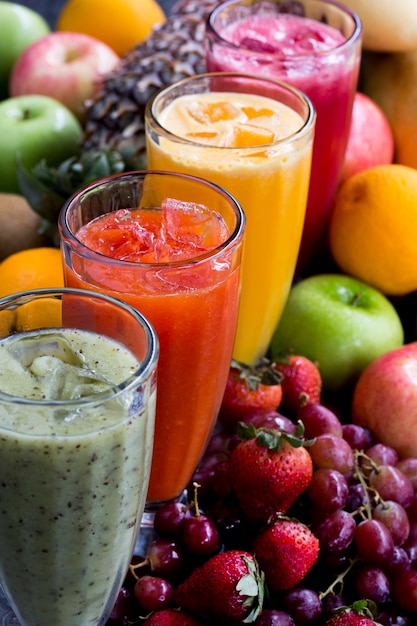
(408, 467)
(392, 484)
(165, 556)
(372, 584)
(358, 437)
(200, 535)
(404, 590)
(169, 517)
(374, 542)
(382, 454)
(304, 605)
(272, 420)
(272, 617)
(395, 518)
(336, 532)
(333, 452)
(319, 420)
(328, 489)
(153, 593)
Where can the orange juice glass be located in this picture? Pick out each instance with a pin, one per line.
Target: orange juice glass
(253, 137)
(192, 303)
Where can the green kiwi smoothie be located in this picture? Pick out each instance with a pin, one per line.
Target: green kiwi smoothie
(75, 450)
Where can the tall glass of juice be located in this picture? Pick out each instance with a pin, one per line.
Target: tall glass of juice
(77, 407)
(253, 136)
(314, 45)
(169, 245)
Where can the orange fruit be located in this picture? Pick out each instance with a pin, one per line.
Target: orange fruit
(41, 313)
(121, 24)
(373, 228)
(7, 319)
(34, 268)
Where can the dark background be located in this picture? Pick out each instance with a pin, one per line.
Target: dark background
(50, 9)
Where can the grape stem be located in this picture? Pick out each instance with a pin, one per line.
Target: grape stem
(194, 502)
(137, 566)
(364, 465)
(339, 580)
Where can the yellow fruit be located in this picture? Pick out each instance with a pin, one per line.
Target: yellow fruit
(7, 319)
(387, 26)
(121, 24)
(391, 80)
(373, 228)
(34, 268)
(44, 313)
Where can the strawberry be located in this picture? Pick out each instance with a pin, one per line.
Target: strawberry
(248, 391)
(171, 617)
(301, 382)
(269, 470)
(359, 614)
(226, 589)
(286, 550)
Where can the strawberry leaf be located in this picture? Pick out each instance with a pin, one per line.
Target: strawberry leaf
(261, 374)
(252, 585)
(366, 608)
(247, 586)
(273, 439)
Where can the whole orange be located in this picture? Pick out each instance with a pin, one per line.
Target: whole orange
(121, 24)
(373, 228)
(34, 268)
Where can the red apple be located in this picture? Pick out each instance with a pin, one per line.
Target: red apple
(371, 140)
(385, 399)
(66, 66)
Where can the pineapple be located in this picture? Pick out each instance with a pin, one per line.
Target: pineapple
(114, 138)
(173, 50)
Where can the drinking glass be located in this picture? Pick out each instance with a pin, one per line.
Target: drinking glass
(248, 36)
(191, 303)
(264, 162)
(77, 406)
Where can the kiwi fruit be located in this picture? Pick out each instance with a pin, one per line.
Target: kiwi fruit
(20, 226)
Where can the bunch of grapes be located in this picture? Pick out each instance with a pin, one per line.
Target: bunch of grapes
(361, 504)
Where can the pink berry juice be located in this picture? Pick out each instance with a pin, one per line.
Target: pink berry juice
(315, 46)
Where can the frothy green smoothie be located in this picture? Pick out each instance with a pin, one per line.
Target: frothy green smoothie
(74, 462)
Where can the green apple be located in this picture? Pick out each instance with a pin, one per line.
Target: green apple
(341, 323)
(19, 27)
(33, 128)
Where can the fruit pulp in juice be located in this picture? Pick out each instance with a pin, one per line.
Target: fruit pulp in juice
(193, 308)
(233, 140)
(309, 55)
(73, 477)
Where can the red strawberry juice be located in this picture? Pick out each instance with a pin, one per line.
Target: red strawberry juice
(314, 46)
(178, 264)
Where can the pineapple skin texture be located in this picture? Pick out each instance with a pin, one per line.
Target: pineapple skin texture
(175, 49)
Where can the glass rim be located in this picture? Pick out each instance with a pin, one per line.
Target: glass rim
(349, 41)
(84, 251)
(146, 365)
(304, 129)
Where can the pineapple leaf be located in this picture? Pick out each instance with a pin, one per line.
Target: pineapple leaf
(47, 188)
(40, 195)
